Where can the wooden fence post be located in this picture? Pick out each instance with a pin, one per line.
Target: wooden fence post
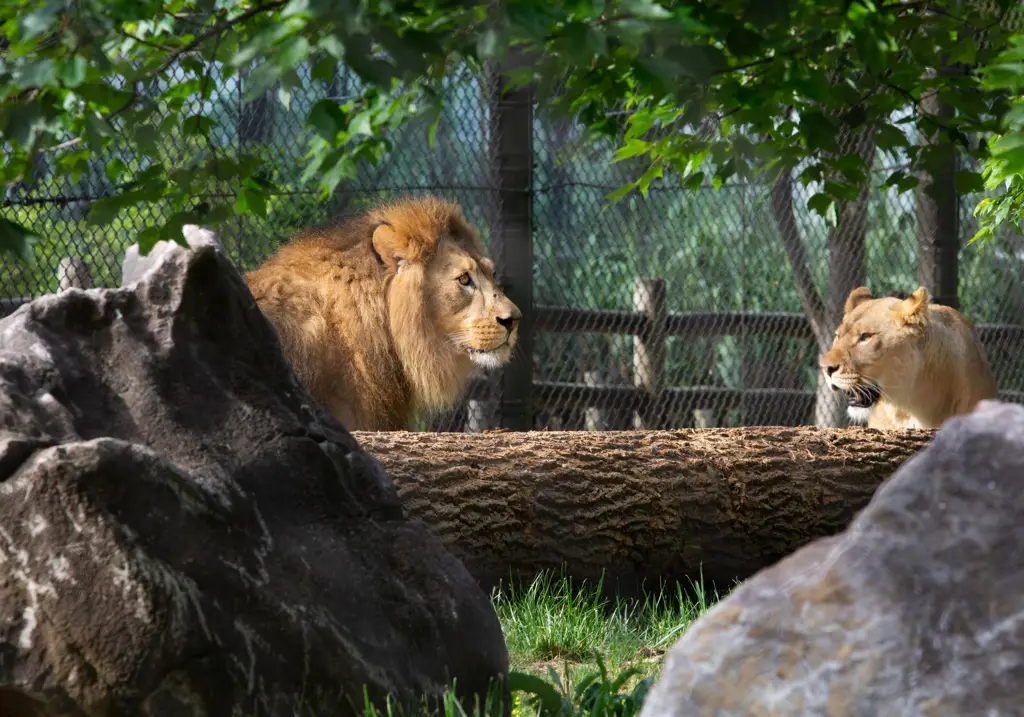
(650, 299)
(511, 137)
(594, 418)
(477, 416)
(73, 273)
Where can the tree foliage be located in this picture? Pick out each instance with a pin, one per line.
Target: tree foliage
(698, 90)
(1004, 170)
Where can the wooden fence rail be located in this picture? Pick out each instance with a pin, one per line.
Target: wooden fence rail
(648, 400)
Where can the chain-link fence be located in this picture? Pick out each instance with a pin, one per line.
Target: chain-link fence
(679, 309)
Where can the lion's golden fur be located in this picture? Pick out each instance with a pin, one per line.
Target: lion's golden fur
(911, 363)
(383, 316)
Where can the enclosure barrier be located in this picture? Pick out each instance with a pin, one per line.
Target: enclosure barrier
(651, 324)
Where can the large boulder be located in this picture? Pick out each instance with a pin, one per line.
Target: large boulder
(183, 532)
(916, 609)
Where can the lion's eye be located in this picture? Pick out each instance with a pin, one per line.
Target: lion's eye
(465, 280)
(864, 337)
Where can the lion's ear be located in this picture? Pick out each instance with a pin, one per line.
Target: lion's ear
(388, 247)
(913, 309)
(857, 297)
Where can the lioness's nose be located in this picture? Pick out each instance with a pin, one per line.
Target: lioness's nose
(509, 322)
(829, 368)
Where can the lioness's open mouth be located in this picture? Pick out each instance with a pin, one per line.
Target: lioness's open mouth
(862, 396)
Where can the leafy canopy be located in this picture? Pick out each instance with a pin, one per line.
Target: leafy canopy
(698, 90)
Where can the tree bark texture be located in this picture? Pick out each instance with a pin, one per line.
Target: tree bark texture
(641, 506)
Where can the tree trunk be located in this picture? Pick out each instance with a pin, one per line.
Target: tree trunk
(938, 207)
(642, 506)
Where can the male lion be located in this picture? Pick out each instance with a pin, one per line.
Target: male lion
(384, 315)
(905, 363)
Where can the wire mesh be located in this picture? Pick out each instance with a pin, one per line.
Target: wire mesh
(684, 308)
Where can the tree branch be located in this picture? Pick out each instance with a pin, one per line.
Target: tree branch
(214, 31)
(785, 217)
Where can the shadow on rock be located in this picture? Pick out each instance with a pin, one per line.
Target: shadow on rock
(184, 532)
(915, 609)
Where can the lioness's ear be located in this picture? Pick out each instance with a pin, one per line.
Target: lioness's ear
(857, 297)
(386, 244)
(913, 309)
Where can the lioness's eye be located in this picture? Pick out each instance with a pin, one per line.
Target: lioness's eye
(465, 280)
(864, 337)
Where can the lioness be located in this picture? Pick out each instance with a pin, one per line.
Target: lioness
(384, 315)
(905, 363)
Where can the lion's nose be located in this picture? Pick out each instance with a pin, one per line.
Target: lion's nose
(509, 322)
(830, 369)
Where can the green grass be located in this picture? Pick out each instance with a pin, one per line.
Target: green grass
(574, 653)
(553, 623)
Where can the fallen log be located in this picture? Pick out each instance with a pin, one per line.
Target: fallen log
(641, 506)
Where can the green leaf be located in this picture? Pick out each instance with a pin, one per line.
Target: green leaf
(632, 148)
(326, 119)
(435, 121)
(104, 210)
(889, 138)
(699, 62)
(146, 138)
(216, 213)
(96, 128)
(284, 96)
(250, 200)
(818, 132)
(183, 90)
(73, 72)
(653, 172)
(17, 241)
(197, 125)
(38, 21)
(171, 230)
(114, 169)
(147, 239)
(332, 45)
(261, 79)
(193, 65)
(901, 180)
(965, 51)
(658, 73)
(1012, 160)
(820, 203)
(36, 73)
(324, 69)
(343, 168)
(968, 182)
(102, 96)
(362, 123)
(294, 50)
(406, 56)
(23, 123)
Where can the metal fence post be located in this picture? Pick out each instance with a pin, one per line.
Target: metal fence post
(511, 137)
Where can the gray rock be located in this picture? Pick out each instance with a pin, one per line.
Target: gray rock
(183, 532)
(916, 609)
(135, 265)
